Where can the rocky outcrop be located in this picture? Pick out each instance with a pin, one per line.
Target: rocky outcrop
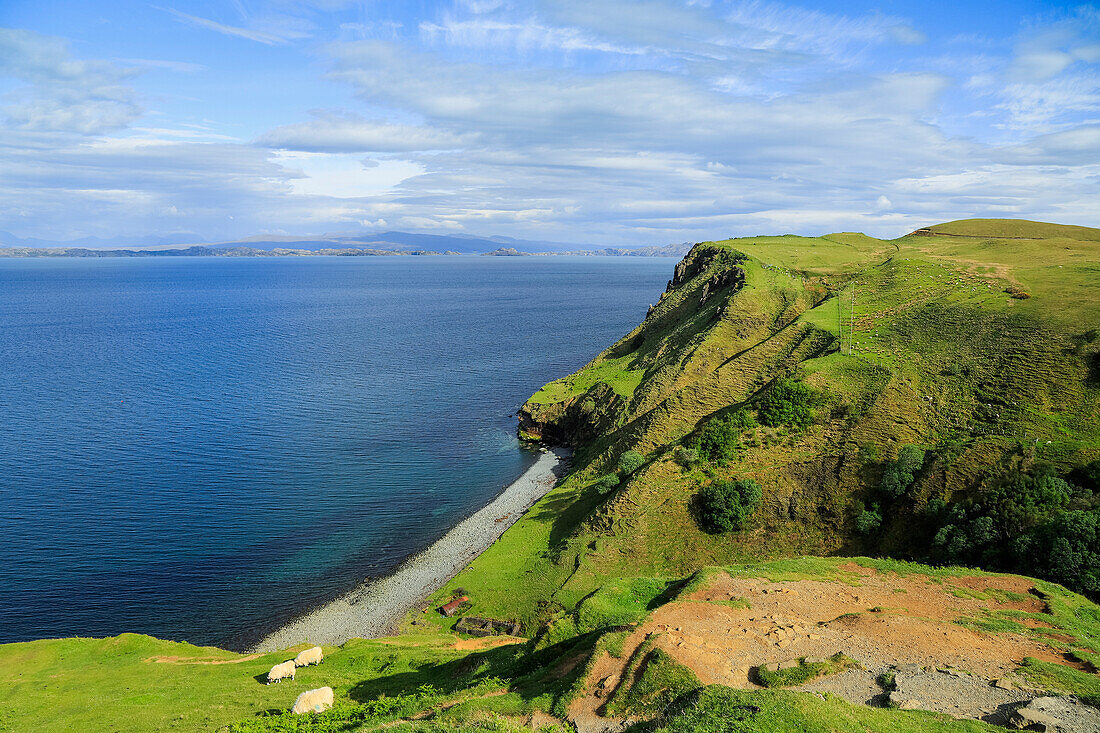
(734, 276)
(1056, 715)
(696, 261)
(574, 422)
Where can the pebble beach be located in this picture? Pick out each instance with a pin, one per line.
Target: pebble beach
(377, 606)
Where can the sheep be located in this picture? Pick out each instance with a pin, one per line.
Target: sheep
(310, 656)
(313, 701)
(281, 671)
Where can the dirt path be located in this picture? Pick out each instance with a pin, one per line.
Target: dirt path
(586, 713)
(191, 660)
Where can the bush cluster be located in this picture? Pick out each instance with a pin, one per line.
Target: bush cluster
(629, 462)
(897, 479)
(868, 521)
(900, 474)
(724, 506)
(721, 437)
(608, 483)
(1029, 521)
(789, 403)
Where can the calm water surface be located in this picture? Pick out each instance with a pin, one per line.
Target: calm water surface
(199, 448)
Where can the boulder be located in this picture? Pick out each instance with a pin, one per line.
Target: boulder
(1055, 715)
(1027, 719)
(898, 700)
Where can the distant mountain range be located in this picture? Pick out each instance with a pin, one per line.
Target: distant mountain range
(346, 244)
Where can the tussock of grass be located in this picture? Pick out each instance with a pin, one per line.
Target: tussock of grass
(651, 682)
(802, 673)
(1061, 679)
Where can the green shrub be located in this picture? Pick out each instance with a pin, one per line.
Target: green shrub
(1031, 521)
(686, 457)
(900, 474)
(725, 505)
(789, 403)
(721, 437)
(630, 462)
(607, 483)
(869, 520)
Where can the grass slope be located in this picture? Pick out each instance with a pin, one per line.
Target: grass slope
(922, 340)
(440, 683)
(1016, 229)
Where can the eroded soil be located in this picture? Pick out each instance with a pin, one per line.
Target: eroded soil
(905, 626)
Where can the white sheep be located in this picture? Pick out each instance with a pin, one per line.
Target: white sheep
(310, 656)
(281, 671)
(313, 701)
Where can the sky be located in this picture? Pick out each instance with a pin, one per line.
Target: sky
(609, 122)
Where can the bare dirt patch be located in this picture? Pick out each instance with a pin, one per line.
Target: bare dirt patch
(902, 628)
(884, 620)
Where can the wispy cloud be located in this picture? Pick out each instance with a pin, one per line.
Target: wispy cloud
(184, 67)
(273, 30)
(336, 132)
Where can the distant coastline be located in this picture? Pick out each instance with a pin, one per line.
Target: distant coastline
(207, 251)
(329, 244)
(669, 250)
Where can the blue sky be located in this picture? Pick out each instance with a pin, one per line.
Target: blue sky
(586, 121)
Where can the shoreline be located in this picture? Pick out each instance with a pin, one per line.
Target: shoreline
(375, 607)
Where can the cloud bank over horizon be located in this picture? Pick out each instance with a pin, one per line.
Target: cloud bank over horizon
(609, 123)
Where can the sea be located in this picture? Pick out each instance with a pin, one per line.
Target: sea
(202, 448)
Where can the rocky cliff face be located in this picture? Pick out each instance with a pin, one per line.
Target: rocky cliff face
(586, 411)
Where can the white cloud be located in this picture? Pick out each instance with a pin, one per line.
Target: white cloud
(344, 175)
(61, 93)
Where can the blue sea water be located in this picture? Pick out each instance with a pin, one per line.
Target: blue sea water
(199, 448)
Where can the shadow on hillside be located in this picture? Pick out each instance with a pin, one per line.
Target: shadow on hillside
(564, 513)
(528, 674)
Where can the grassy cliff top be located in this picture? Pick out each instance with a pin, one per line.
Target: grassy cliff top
(1014, 229)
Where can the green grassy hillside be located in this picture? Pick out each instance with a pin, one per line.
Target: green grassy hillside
(981, 351)
(1015, 229)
